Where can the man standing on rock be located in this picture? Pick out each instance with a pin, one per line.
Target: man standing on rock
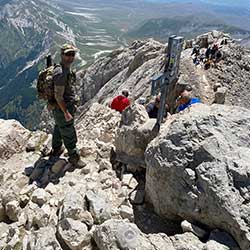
(64, 130)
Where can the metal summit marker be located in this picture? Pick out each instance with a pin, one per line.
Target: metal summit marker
(166, 81)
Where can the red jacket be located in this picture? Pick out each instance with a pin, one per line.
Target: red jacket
(120, 102)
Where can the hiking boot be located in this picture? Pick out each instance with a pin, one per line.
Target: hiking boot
(56, 152)
(76, 162)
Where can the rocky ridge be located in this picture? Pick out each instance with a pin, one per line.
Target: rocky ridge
(134, 67)
(183, 189)
(90, 208)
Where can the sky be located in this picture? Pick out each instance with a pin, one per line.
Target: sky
(240, 3)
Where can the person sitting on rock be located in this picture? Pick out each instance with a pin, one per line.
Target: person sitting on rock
(120, 102)
(185, 100)
(153, 107)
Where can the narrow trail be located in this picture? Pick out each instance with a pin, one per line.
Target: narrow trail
(197, 77)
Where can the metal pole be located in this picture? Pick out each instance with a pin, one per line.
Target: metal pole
(171, 72)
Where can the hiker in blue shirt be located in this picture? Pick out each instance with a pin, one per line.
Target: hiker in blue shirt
(185, 100)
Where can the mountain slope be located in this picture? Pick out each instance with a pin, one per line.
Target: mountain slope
(188, 26)
(29, 29)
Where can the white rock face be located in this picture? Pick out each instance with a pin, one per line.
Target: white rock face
(121, 68)
(214, 143)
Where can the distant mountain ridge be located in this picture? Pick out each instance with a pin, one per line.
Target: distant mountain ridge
(188, 27)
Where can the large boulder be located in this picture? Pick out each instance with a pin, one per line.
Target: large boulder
(119, 234)
(133, 136)
(198, 169)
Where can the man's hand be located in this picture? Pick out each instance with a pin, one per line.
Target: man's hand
(68, 117)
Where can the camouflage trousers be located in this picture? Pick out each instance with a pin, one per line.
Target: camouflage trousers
(64, 132)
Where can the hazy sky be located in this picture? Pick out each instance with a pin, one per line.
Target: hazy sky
(245, 3)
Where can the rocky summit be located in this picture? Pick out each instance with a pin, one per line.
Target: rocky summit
(184, 187)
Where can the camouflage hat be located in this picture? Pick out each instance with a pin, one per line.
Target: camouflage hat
(68, 48)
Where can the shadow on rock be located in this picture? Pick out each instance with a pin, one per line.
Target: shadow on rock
(150, 223)
(47, 170)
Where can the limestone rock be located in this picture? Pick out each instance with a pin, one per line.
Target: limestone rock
(102, 118)
(28, 190)
(44, 216)
(40, 196)
(119, 234)
(214, 143)
(104, 164)
(133, 137)
(74, 233)
(129, 181)
(13, 138)
(187, 241)
(13, 209)
(161, 241)
(43, 239)
(87, 218)
(36, 141)
(220, 95)
(73, 206)
(105, 73)
(188, 227)
(4, 229)
(52, 189)
(99, 208)
(127, 212)
(134, 115)
(14, 238)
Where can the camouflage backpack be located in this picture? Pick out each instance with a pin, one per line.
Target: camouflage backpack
(45, 85)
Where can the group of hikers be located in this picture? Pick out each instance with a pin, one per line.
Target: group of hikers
(185, 100)
(63, 106)
(208, 57)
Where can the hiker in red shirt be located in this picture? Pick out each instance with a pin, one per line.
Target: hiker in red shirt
(121, 102)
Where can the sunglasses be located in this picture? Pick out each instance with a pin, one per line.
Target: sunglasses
(70, 54)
